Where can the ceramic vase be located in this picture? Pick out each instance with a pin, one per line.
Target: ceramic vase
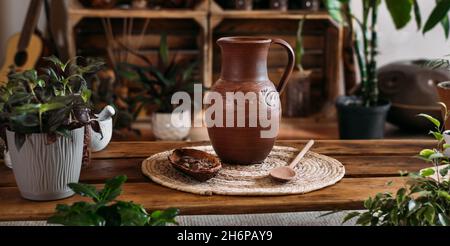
(165, 129)
(443, 90)
(244, 70)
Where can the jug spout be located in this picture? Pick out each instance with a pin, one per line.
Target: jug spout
(244, 58)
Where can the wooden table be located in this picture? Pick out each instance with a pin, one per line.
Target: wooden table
(370, 165)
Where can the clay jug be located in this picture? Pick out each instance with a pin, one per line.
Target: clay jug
(244, 70)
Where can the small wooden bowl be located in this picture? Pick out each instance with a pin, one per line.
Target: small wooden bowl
(195, 163)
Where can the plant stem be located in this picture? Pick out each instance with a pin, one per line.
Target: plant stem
(372, 81)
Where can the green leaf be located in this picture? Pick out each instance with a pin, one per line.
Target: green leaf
(417, 14)
(112, 188)
(426, 153)
(334, 9)
(444, 219)
(413, 207)
(437, 15)
(162, 218)
(444, 171)
(437, 135)
(431, 118)
(364, 219)
(437, 155)
(164, 49)
(430, 214)
(350, 216)
(446, 26)
(86, 95)
(427, 172)
(400, 11)
(50, 106)
(79, 214)
(85, 190)
(132, 214)
(444, 195)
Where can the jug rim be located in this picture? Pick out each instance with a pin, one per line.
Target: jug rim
(244, 39)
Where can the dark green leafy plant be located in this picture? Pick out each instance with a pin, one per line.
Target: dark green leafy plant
(160, 81)
(425, 201)
(54, 101)
(105, 210)
(365, 36)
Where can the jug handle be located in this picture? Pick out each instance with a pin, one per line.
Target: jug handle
(289, 67)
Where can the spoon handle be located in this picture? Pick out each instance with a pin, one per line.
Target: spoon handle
(302, 153)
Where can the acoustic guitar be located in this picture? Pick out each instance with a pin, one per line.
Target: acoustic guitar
(24, 49)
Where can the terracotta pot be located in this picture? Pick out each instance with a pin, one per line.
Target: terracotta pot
(443, 89)
(296, 100)
(244, 69)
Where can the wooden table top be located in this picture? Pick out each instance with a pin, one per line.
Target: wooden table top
(370, 165)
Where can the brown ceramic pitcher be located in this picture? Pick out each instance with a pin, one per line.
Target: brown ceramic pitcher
(244, 69)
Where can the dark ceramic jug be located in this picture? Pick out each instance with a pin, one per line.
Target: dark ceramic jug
(244, 70)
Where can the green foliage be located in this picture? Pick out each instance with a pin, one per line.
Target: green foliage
(162, 80)
(53, 102)
(106, 210)
(438, 15)
(299, 50)
(365, 36)
(424, 201)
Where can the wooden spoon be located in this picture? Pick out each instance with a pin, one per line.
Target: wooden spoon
(287, 173)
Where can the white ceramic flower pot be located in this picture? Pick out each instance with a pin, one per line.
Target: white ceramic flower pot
(100, 141)
(43, 171)
(164, 129)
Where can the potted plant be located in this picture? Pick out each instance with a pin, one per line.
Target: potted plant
(363, 116)
(43, 119)
(424, 201)
(159, 83)
(296, 101)
(106, 210)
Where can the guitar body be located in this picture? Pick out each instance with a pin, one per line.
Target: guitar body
(22, 60)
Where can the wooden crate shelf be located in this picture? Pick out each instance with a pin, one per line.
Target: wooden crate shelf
(326, 41)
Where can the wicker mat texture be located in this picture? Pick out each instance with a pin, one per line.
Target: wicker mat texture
(314, 172)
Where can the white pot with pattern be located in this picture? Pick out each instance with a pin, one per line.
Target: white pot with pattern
(42, 170)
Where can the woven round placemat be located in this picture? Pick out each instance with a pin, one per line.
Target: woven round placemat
(314, 172)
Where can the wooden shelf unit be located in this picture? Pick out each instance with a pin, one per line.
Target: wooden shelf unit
(209, 15)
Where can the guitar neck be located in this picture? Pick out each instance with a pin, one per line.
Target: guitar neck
(30, 24)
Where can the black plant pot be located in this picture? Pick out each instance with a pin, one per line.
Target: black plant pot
(359, 122)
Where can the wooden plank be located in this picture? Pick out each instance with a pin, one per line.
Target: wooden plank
(355, 167)
(349, 193)
(326, 147)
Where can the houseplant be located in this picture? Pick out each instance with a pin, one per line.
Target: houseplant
(424, 201)
(106, 210)
(43, 119)
(439, 15)
(364, 115)
(296, 100)
(160, 81)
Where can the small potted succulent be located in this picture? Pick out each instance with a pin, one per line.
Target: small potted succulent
(363, 116)
(159, 83)
(43, 117)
